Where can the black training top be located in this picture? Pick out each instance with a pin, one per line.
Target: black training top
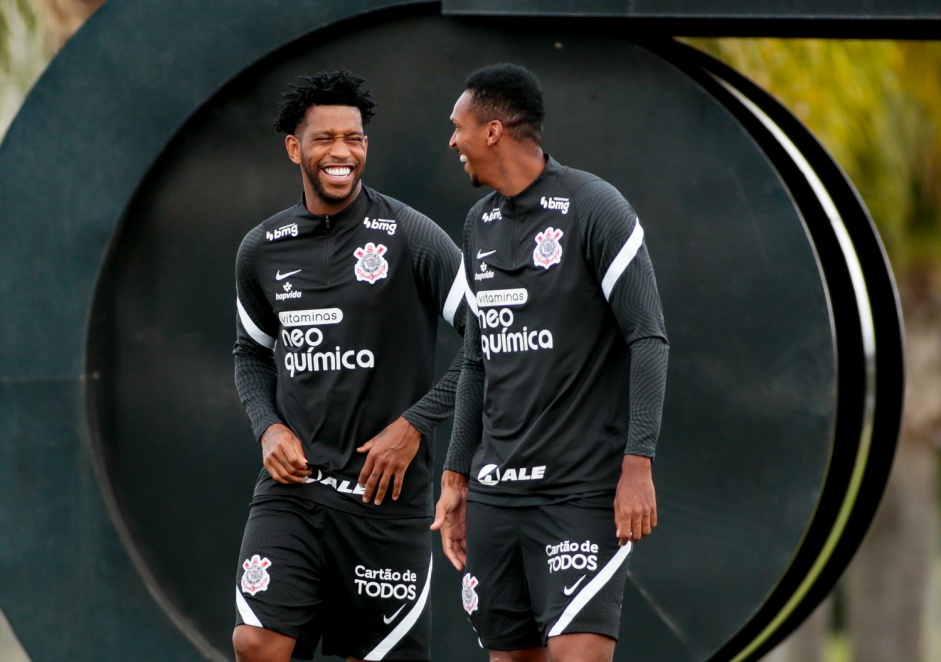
(337, 322)
(565, 352)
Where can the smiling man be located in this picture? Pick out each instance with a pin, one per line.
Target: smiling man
(339, 298)
(548, 480)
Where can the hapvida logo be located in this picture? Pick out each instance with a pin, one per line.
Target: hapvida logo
(289, 292)
(485, 273)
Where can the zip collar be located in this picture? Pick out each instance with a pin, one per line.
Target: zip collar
(531, 194)
(354, 210)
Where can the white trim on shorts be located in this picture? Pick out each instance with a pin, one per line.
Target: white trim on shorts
(248, 616)
(589, 590)
(405, 624)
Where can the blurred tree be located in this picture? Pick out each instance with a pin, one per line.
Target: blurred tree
(875, 105)
(63, 18)
(22, 55)
(31, 32)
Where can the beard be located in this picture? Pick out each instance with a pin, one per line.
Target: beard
(312, 176)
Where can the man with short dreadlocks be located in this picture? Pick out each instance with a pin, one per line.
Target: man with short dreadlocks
(339, 298)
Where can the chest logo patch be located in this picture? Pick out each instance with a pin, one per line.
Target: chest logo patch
(370, 263)
(548, 250)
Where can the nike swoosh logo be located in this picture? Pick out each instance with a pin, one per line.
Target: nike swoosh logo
(389, 619)
(281, 276)
(481, 255)
(568, 590)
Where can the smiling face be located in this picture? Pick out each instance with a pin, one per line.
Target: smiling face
(470, 139)
(330, 147)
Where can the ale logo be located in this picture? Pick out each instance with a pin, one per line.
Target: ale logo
(488, 475)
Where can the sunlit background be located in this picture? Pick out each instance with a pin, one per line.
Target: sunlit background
(876, 106)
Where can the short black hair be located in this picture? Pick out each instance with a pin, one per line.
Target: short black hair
(340, 88)
(511, 94)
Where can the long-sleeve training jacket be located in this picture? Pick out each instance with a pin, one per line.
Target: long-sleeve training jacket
(336, 330)
(565, 351)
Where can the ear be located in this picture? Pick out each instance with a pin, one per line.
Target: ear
(293, 145)
(494, 132)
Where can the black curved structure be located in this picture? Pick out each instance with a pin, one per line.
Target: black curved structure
(126, 464)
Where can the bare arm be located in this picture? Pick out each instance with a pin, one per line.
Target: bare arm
(635, 503)
(451, 517)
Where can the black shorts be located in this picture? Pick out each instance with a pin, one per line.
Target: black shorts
(360, 584)
(540, 571)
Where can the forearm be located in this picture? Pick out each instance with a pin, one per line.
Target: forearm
(469, 404)
(256, 380)
(256, 375)
(438, 404)
(648, 379)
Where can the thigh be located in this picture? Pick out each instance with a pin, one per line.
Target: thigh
(279, 576)
(576, 569)
(494, 589)
(379, 607)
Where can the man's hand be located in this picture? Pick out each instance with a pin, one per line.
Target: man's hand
(451, 517)
(388, 455)
(283, 455)
(635, 503)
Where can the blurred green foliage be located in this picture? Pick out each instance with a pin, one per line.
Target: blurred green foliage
(23, 54)
(876, 106)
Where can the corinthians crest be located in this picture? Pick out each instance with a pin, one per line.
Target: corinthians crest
(370, 265)
(468, 594)
(256, 577)
(548, 250)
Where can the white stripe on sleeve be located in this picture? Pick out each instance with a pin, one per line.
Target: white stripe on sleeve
(248, 616)
(588, 592)
(257, 334)
(468, 294)
(454, 296)
(622, 259)
(406, 623)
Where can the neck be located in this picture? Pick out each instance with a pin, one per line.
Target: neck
(519, 169)
(320, 207)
